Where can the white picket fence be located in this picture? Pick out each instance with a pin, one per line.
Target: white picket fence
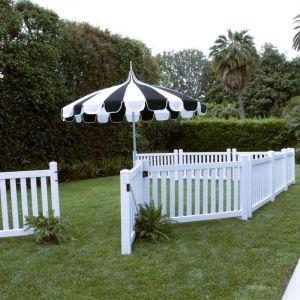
(21, 196)
(181, 157)
(205, 186)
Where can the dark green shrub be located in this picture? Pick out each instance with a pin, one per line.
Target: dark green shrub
(50, 228)
(151, 225)
(89, 169)
(297, 156)
(211, 134)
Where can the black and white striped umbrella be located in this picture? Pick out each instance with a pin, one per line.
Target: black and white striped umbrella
(133, 100)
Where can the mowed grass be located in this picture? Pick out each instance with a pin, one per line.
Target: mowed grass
(223, 259)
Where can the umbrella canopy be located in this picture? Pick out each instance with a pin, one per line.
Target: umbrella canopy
(133, 100)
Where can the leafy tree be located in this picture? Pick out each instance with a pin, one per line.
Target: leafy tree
(224, 110)
(274, 82)
(183, 71)
(30, 54)
(46, 63)
(292, 115)
(234, 58)
(296, 39)
(94, 59)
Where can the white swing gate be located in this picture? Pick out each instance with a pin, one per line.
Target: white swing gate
(17, 201)
(201, 192)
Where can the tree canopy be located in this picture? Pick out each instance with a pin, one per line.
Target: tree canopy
(234, 57)
(183, 71)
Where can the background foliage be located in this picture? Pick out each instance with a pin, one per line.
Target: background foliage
(46, 63)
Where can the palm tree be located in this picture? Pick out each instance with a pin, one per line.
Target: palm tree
(234, 58)
(296, 39)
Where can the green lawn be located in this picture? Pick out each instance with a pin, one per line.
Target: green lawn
(224, 259)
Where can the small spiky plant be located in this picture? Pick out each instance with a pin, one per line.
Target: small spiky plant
(49, 228)
(151, 225)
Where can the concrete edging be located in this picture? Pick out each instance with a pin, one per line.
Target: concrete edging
(292, 291)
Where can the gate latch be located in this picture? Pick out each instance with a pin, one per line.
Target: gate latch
(145, 174)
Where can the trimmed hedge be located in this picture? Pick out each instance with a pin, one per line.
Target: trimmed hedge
(244, 135)
(92, 150)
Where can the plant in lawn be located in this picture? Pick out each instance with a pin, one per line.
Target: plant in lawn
(48, 228)
(151, 224)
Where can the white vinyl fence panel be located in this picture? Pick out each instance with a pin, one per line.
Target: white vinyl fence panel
(195, 196)
(24, 194)
(204, 186)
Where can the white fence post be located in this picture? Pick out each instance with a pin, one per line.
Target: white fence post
(271, 154)
(244, 192)
(125, 213)
(54, 188)
(250, 185)
(285, 171)
(228, 155)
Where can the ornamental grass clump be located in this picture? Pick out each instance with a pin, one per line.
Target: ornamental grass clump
(151, 225)
(48, 228)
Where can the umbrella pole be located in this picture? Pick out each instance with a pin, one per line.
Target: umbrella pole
(133, 140)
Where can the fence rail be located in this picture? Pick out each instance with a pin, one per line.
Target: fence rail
(179, 157)
(204, 186)
(24, 194)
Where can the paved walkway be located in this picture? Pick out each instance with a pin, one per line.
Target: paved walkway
(292, 292)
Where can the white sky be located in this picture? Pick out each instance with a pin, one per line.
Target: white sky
(180, 24)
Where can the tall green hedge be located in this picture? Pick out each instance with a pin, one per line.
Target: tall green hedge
(248, 135)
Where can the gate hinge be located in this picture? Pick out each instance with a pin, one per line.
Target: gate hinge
(145, 174)
(128, 187)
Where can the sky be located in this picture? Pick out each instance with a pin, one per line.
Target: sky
(165, 25)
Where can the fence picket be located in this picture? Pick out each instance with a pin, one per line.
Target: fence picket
(4, 204)
(235, 188)
(228, 189)
(172, 194)
(34, 196)
(180, 193)
(189, 192)
(197, 192)
(14, 203)
(154, 188)
(205, 191)
(44, 195)
(213, 191)
(24, 199)
(221, 190)
(164, 192)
